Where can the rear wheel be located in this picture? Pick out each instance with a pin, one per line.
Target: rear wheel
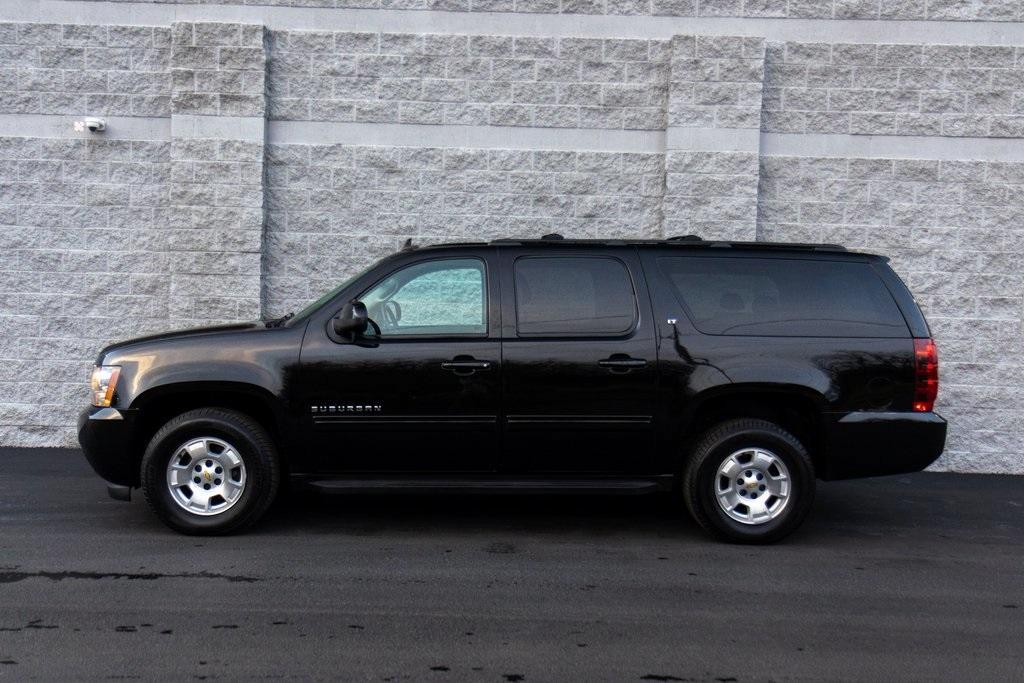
(749, 481)
(210, 471)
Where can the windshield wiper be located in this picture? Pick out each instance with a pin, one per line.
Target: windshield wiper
(278, 322)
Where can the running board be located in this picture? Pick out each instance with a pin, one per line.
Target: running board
(628, 487)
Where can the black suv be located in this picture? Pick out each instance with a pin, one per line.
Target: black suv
(732, 373)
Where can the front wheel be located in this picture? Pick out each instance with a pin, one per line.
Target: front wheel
(210, 471)
(749, 481)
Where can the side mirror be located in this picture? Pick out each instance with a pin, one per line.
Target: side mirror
(352, 321)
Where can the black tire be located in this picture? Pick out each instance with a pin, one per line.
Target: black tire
(701, 472)
(253, 445)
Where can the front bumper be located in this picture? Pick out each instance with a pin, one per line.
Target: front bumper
(107, 437)
(867, 444)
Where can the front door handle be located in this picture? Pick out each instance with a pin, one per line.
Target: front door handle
(620, 362)
(465, 366)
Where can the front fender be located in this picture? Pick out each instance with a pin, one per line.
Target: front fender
(264, 358)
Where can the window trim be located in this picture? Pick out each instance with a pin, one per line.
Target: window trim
(628, 332)
(452, 335)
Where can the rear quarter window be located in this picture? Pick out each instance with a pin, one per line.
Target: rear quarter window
(783, 297)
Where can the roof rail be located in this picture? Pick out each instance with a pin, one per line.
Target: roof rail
(680, 241)
(808, 246)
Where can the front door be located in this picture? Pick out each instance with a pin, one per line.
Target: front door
(423, 394)
(579, 361)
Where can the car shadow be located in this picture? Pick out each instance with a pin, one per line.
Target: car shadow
(922, 506)
(660, 514)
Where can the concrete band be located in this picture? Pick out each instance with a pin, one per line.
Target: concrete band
(713, 139)
(56, 126)
(254, 129)
(891, 147)
(247, 128)
(481, 137)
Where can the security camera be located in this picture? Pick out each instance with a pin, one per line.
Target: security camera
(95, 125)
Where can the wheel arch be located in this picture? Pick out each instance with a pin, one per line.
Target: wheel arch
(797, 409)
(157, 405)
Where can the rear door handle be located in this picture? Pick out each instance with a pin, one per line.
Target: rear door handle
(465, 366)
(622, 363)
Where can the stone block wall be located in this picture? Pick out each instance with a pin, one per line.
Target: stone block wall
(248, 167)
(862, 88)
(218, 69)
(216, 193)
(214, 230)
(711, 193)
(74, 68)
(333, 209)
(79, 267)
(886, 10)
(716, 82)
(468, 80)
(710, 166)
(954, 233)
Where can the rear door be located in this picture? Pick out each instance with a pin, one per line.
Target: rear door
(578, 361)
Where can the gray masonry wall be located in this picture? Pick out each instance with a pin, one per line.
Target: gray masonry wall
(954, 232)
(946, 10)
(70, 69)
(711, 193)
(334, 208)
(862, 88)
(81, 263)
(257, 154)
(216, 192)
(468, 79)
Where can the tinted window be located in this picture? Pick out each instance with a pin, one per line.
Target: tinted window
(784, 297)
(576, 296)
(435, 297)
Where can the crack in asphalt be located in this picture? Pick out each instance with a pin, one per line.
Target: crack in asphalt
(16, 576)
(669, 677)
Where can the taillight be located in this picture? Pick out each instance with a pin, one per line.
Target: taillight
(926, 375)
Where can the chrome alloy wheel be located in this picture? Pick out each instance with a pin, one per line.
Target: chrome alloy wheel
(206, 476)
(752, 486)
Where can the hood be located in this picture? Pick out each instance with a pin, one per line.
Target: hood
(180, 334)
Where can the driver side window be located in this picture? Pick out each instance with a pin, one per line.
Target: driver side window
(443, 297)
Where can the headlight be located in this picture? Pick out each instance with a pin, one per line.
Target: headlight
(104, 381)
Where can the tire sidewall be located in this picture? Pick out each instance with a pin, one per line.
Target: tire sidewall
(166, 445)
(801, 477)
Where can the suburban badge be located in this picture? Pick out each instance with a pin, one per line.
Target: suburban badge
(345, 408)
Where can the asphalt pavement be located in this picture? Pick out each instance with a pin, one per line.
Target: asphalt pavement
(914, 577)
